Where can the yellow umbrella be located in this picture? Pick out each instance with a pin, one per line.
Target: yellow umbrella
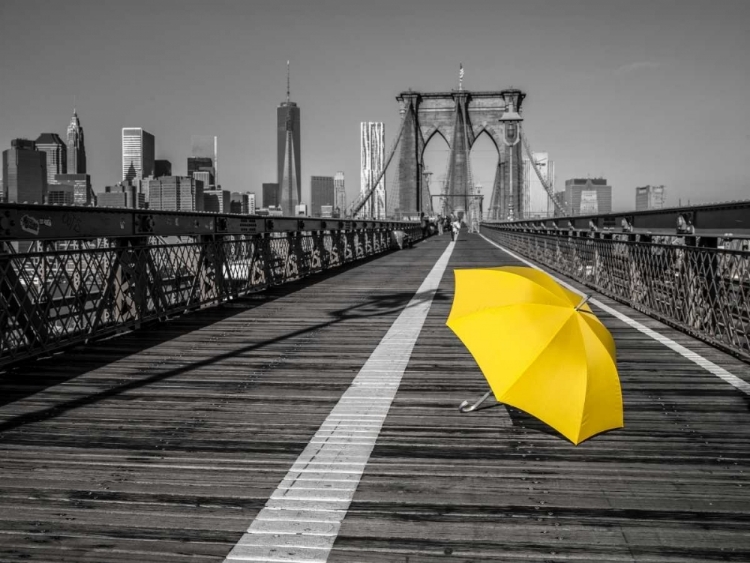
(540, 347)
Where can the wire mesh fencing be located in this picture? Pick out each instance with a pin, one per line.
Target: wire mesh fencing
(59, 293)
(700, 285)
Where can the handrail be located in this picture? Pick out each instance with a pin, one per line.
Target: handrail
(727, 219)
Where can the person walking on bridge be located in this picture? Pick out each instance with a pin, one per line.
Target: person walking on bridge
(455, 227)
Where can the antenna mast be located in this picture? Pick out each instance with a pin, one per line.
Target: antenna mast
(287, 81)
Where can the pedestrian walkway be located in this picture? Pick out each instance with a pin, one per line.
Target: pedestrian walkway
(181, 441)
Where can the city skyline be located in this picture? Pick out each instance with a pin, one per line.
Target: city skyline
(585, 105)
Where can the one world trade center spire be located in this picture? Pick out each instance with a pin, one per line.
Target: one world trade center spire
(288, 153)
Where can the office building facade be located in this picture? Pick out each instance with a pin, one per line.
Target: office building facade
(243, 203)
(24, 173)
(202, 164)
(217, 201)
(60, 194)
(76, 148)
(321, 193)
(121, 195)
(204, 176)
(650, 197)
(138, 150)
(270, 195)
(77, 184)
(339, 195)
(372, 160)
(175, 193)
(588, 196)
(56, 152)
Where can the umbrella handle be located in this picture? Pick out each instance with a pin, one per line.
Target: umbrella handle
(464, 407)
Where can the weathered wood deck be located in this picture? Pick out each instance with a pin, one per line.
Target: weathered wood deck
(164, 444)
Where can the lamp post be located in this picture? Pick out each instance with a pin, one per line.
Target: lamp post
(511, 121)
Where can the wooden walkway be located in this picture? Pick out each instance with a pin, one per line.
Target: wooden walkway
(164, 444)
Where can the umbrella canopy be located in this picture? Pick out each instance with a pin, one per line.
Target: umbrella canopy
(539, 348)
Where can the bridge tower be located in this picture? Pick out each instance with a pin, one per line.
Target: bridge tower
(459, 116)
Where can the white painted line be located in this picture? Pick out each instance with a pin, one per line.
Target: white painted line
(708, 365)
(301, 520)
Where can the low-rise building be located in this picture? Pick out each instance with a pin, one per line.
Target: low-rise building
(123, 194)
(650, 197)
(588, 196)
(218, 201)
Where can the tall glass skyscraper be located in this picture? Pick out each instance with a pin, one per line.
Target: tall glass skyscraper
(288, 158)
(372, 157)
(76, 147)
(138, 154)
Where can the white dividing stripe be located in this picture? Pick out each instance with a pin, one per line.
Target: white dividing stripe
(301, 520)
(708, 365)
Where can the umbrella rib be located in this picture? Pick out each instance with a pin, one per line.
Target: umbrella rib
(582, 303)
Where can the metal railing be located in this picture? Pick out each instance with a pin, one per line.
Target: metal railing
(695, 282)
(70, 274)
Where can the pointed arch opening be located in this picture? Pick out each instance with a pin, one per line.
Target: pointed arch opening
(484, 158)
(435, 156)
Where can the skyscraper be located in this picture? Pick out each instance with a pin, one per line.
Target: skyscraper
(207, 147)
(24, 173)
(288, 153)
(56, 154)
(138, 154)
(76, 148)
(339, 193)
(321, 193)
(372, 158)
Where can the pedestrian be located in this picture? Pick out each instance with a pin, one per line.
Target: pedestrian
(455, 227)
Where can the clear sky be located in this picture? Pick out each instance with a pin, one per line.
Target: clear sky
(653, 92)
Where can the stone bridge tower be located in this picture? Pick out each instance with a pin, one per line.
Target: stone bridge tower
(459, 116)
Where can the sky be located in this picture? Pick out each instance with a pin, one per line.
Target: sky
(651, 92)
